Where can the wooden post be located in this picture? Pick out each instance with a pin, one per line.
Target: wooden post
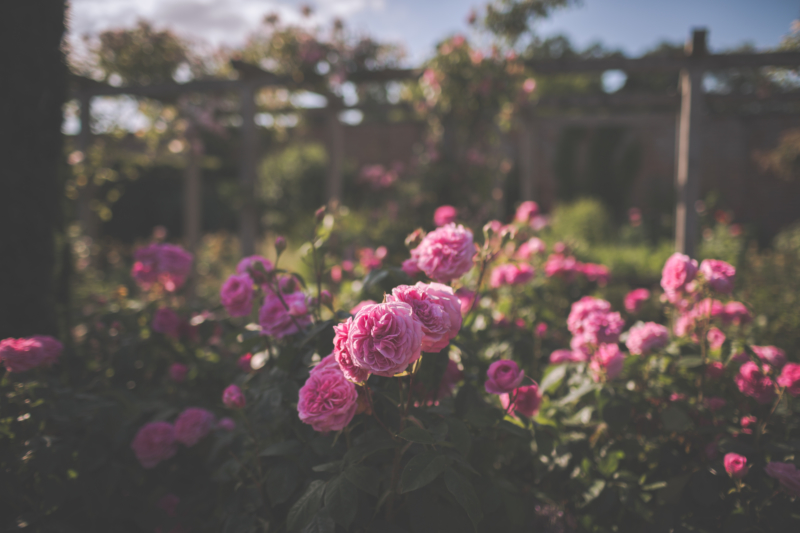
(192, 200)
(335, 146)
(527, 178)
(687, 165)
(247, 179)
(86, 216)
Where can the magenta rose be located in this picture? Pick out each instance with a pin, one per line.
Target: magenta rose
(167, 321)
(226, 424)
(51, 349)
(342, 355)
(635, 299)
(245, 363)
(174, 266)
(787, 475)
(533, 246)
(646, 338)
(177, 372)
(735, 465)
(236, 295)
(153, 443)
(678, 271)
(385, 338)
(436, 307)
(277, 321)
(233, 398)
(503, 377)
(790, 378)
(444, 215)
(560, 266)
(771, 354)
(466, 298)
(719, 275)
(607, 361)
(446, 253)
(19, 355)
(754, 382)
(526, 400)
(526, 211)
(327, 400)
(192, 425)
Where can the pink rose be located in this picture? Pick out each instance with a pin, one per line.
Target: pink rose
(236, 295)
(526, 400)
(385, 338)
(787, 475)
(714, 403)
(635, 299)
(446, 253)
(647, 338)
(736, 465)
(715, 338)
(607, 361)
(684, 325)
(790, 378)
(736, 313)
(177, 372)
(714, 370)
(503, 377)
(247, 266)
(437, 309)
(444, 215)
(19, 355)
(718, 274)
(541, 330)
(166, 321)
(145, 266)
(677, 397)
(465, 298)
(327, 401)
(153, 443)
(564, 267)
(526, 211)
(771, 354)
(233, 398)
(192, 425)
(342, 355)
(746, 422)
(354, 311)
(533, 246)
(596, 273)
(279, 322)
(510, 274)
(226, 424)
(410, 266)
(174, 266)
(567, 356)
(678, 271)
(244, 363)
(592, 322)
(754, 383)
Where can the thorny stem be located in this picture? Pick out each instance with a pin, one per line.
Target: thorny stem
(374, 414)
(258, 459)
(399, 452)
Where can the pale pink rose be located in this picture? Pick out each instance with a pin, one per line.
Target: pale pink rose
(564, 267)
(539, 222)
(354, 311)
(567, 356)
(465, 297)
(533, 246)
(276, 321)
(647, 338)
(444, 215)
(503, 377)
(592, 322)
(719, 275)
(233, 398)
(736, 313)
(19, 355)
(736, 465)
(342, 355)
(607, 361)
(370, 259)
(526, 400)
(327, 401)
(446, 253)
(787, 475)
(169, 504)
(771, 354)
(714, 403)
(192, 425)
(596, 273)
(336, 273)
(167, 321)
(436, 307)
(236, 295)
(715, 338)
(385, 338)
(177, 372)
(226, 424)
(753, 382)
(410, 266)
(714, 370)
(526, 211)
(708, 308)
(244, 363)
(541, 330)
(510, 274)
(582, 309)
(153, 443)
(678, 271)
(684, 325)
(247, 266)
(790, 378)
(529, 85)
(635, 299)
(174, 266)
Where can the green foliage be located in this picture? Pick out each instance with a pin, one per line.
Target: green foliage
(585, 222)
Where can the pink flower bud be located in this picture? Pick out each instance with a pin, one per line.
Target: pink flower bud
(233, 398)
(736, 465)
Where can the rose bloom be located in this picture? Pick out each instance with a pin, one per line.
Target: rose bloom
(635, 299)
(736, 465)
(541, 330)
(736, 313)
(166, 321)
(564, 267)
(647, 338)
(385, 338)
(327, 401)
(446, 253)
(715, 404)
(719, 275)
(714, 370)
(678, 271)
(592, 322)
(503, 377)
(510, 274)
(526, 211)
(342, 355)
(410, 266)
(19, 355)
(436, 307)
(444, 215)
(531, 247)
(276, 320)
(177, 372)
(526, 400)
(715, 338)
(596, 273)
(236, 295)
(153, 443)
(753, 382)
(708, 308)
(354, 311)
(192, 425)
(233, 398)
(567, 356)
(607, 360)
(244, 362)
(787, 475)
(247, 266)
(174, 266)
(790, 378)
(145, 266)
(771, 354)
(226, 424)
(465, 298)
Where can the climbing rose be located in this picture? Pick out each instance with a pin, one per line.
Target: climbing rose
(342, 355)
(444, 215)
(635, 299)
(167, 321)
(771, 354)
(715, 338)
(436, 307)
(327, 401)
(718, 274)
(510, 274)
(503, 377)
(678, 271)
(736, 465)
(192, 425)
(233, 398)
(607, 360)
(276, 320)
(753, 382)
(787, 475)
(177, 372)
(790, 378)
(236, 295)
(385, 338)
(153, 443)
(646, 338)
(446, 253)
(526, 400)
(19, 355)
(526, 211)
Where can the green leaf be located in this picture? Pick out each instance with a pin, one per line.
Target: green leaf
(594, 491)
(609, 464)
(675, 420)
(281, 448)
(689, 362)
(459, 435)
(552, 377)
(365, 478)
(321, 523)
(417, 434)
(373, 277)
(464, 493)
(341, 501)
(306, 506)
(358, 453)
(335, 466)
(514, 429)
(281, 482)
(421, 470)
(578, 393)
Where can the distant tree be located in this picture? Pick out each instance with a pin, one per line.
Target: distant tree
(512, 19)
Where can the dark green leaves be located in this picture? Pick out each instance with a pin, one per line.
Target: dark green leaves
(675, 420)
(341, 501)
(281, 481)
(304, 509)
(282, 448)
(421, 470)
(459, 435)
(417, 434)
(365, 478)
(464, 493)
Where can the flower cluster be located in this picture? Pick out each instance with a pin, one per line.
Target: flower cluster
(158, 441)
(166, 264)
(19, 355)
